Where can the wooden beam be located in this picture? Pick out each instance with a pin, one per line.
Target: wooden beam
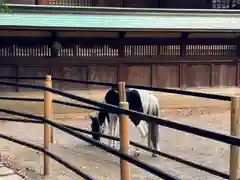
(122, 34)
(55, 45)
(238, 64)
(184, 38)
(122, 3)
(238, 46)
(209, 4)
(9, 40)
(121, 73)
(153, 75)
(230, 4)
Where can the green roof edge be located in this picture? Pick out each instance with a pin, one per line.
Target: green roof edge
(88, 9)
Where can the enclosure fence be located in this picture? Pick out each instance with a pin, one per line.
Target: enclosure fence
(233, 139)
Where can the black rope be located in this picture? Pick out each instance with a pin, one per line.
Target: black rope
(48, 153)
(183, 92)
(180, 160)
(78, 105)
(234, 140)
(165, 90)
(20, 120)
(189, 163)
(113, 151)
(54, 101)
(107, 84)
(23, 77)
(21, 99)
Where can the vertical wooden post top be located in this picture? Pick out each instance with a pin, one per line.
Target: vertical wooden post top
(122, 91)
(48, 77)
(124, 105)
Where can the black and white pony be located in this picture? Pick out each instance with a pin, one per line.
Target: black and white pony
(139, 100)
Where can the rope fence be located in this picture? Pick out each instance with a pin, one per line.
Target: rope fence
(233, 139)
(54, 101)
(165, 90)
(53, 156)
(113, 151)
(166, 155)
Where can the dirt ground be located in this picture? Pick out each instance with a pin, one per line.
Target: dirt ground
(208, 114)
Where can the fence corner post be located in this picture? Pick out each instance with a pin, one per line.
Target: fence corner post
(47, 128)
(124, 132)
(234, 131)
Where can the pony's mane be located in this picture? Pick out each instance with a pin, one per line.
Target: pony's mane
(112, 97)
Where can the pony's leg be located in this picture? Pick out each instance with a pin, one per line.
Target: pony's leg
(106, 125)
(149, 135)
(115, 122)
(153, 141)
(112, 128)
(110, 132)
(155, 138)
(143, 130)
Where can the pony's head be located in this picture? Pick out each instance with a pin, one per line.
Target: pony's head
(98, 121)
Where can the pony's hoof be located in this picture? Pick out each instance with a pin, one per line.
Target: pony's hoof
(135, 154)
(155, 155)
(54, 142)
(111, 146)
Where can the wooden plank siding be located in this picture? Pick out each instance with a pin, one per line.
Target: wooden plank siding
(174, 63)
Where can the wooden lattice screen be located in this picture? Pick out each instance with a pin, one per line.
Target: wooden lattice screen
(225, 4)
(152, 50)
(129, 50)
(20, 50)
(211, 50)
(72, 2)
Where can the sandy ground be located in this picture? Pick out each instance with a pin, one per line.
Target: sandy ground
(8, 174)
(207, 114)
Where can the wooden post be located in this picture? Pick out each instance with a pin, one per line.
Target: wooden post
(124, 133)
(47, 128)
(122, 92)
(235, 128)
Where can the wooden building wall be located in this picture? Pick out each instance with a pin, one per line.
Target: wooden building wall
(168, 62)
(174, 75)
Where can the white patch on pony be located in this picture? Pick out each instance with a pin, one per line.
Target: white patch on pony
(106, 125)
(113, 120)
(150, 107)
(143, 129)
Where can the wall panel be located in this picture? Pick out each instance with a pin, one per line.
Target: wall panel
(102, 74)
(70, 72)
(139, 75)
(7, 71)
(167, 75)
(197, 75)
(224, 74)
(32, 71)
